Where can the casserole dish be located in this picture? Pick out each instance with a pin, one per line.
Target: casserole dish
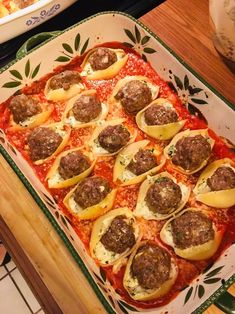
(76, 41)
(25, 19)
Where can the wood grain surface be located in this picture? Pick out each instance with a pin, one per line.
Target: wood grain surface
(182, 25)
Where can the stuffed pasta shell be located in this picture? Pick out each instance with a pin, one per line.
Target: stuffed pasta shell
(114, 236)
(28, 111)
(110, 137)
(63, 86)
(103, 63)
(150, 272)
(135, 162)
(85, 110)
(46, 141)
(189, 151)
(70, 167)
(160, 197)
(134, 93)
(216, 184)
(192, 234)
(159, 120)
(91, 198)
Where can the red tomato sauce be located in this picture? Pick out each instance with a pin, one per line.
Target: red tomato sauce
(126, 196)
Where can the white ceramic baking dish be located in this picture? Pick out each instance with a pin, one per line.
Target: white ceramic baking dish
(25, 19)
(196, 94)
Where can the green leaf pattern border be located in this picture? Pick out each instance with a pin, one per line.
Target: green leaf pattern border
(139, 42)
(20, 77)
(70, 51)
(23, 78)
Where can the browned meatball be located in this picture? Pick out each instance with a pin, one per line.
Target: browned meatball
(23, 107)
(134, 96)
(43, 142)
(73, 164)
(113, 137)
(86, 108)
(222, 179)
(102, 58)
(159, 115)
(163, 196)
(143, 161)
(91, 191)
(65, 79)
(151, 266)
(191, 151)
(119, 236)
(190, 229)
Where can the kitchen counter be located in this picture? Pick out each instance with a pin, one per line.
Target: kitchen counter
(35, 246)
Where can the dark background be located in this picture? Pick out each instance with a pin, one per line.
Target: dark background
(78, 11)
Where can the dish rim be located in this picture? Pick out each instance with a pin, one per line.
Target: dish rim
(216, 294)
(22, 12)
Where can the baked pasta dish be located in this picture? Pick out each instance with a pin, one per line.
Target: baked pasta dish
(10, 6)
(148, 188)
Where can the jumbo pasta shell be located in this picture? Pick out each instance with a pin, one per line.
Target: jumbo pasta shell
(94, 143)
(159, 132)
(142, 209)
(61, 94)
(197, 252)
(218, 199)
(105, 74)
(139, 293)
(69, 118)
(98, 251)
(55, 181)
(91, 212)
(64, 131)
(121, 83)
(33, 121)
(169, 149)
(125, 176)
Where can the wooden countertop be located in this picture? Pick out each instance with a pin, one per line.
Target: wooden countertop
(37, 249)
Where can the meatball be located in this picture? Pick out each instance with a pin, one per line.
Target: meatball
(73, 164)
(163, 196)
(113, 137)
(65, 79)
(151, 266)
(191, 229)
(143, 161)
(119, 236)
(191, 151)
(86, 108)
(91, 191)
(102, 58)
(159, 115)
(23, 107)
(134, 96)
(222, 179)
(43, 142)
